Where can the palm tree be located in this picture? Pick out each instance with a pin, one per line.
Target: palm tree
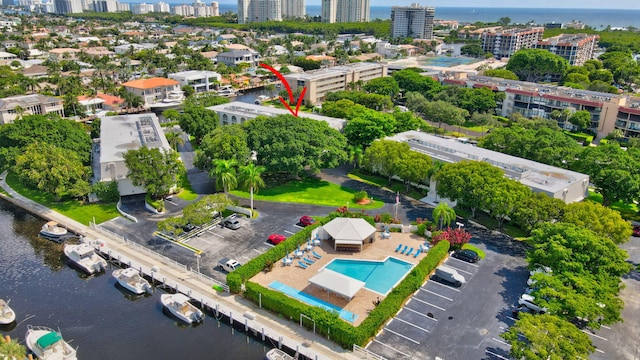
(443, 214)
(11, 349)
(175, 138)
(250, 178)
(225, 173)
(356, 155)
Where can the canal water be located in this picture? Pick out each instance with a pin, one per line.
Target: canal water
(98, 317)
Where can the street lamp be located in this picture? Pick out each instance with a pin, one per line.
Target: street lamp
(460, 225)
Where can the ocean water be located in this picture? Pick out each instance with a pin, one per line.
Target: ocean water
(595, 18)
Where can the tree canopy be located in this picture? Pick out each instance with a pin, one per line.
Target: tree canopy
(227, 142)
(157, 171)
(287, 144)
(602, 220)
(535, 65)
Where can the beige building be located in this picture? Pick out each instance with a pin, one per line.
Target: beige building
(14, 106)
(153, 90)
(323, 81)
(575, 48)
(504, 43)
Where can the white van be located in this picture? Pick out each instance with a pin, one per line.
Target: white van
(449, 275)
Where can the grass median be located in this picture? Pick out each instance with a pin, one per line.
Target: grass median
(310, 191)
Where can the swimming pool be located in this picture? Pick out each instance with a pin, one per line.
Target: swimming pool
(312, 300)
(378, 276)
(447, 61)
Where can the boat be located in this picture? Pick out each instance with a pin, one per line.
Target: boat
(173, 99)
(226, 91)
(179, 305)
(48, 344)
(7, 315)
(52, 231)
(260, 99)
(131, 280)
(85, 257)
(277, 354)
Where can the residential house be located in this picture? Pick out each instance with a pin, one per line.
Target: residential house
(132, 48)
(152, 90)
(35, 71)
(200, 81)
(14, 106)
(236, 57)
(100, 102)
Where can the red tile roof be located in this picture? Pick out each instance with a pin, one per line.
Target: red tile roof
(150, 83)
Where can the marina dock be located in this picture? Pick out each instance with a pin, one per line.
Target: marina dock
(238, 312)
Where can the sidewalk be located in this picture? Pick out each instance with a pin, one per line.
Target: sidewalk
(309, 344)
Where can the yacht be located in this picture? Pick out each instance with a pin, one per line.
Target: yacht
(85, 257)
(52, 231)
(7, 315)
(48, 344)
(277, 354)
(131, 280)
(179, 305)
(226, 91)
(260, 99)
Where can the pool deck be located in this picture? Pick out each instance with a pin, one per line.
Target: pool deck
(362, 302)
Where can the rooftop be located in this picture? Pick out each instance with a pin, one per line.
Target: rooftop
(119, 134)
(26, 101)
(150, 83)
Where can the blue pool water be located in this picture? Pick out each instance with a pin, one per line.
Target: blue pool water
(311, 300)
(378, 276)
(447, 61)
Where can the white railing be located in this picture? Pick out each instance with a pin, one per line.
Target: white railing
(363, 353)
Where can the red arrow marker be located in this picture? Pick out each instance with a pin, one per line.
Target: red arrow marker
(286, 86)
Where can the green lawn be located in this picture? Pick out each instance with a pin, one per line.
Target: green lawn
(474, 248)
(186, 193)
(491, 223)
(83, 213)
(310, 191)
(627, 211)
(380, 181)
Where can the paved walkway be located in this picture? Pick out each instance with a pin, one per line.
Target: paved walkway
(310, 344)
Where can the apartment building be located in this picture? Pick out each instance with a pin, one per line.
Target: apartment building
(323, 81)
(353, 11)
(152, 90)
(412, 21)
(62, 7)
(143, 8)
(628, 118)
(504, 43)
(200, 81)
(568, 186)
(16, 106)
(119, 134)
(293, 9)
(575, 48)
(259, 10)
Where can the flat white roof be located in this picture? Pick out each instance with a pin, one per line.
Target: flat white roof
(252, 111)
(336, 282)
(119, 134)
(530, 173)
(194, 74)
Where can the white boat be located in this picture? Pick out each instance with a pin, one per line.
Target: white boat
(131, 280)
(85, 257)
(260, 99)
(226, 91)
(179, 305)
(7, 315)
(277, 354)
(52, 231)
(48, 344)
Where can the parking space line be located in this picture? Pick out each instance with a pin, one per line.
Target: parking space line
(594, 335)
(600, 351)
(289, 232)
(414, 325)
(298, 226)
(460, 270)
(501, 342)
(436, 294)
(435, 306)
(496, 355)
(392, 348)
(606, 327)
(474, 265)
(447, 286)
(402, 336)
(214, 234)
(419, 313)
(258, 251)
(268, 244)
(514, 319)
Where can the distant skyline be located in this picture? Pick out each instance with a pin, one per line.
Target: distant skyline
(565, 4)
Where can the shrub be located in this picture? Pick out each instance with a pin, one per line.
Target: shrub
(107, 191)
(384, 218)
(360, 196)
(456, 237)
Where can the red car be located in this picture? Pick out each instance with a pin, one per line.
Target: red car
(276, 239)
(636, 231)
(307, 220)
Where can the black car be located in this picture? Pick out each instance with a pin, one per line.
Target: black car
(466, 255)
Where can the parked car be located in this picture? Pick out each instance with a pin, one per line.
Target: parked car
(276, 239)
(467, 255)
(529, 301)
(231, 223)
(523, 309)
(307, 220)
(636, 230)
(188, 227)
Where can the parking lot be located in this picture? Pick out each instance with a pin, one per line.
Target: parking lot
(440, 321)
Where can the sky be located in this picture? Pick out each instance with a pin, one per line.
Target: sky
(566, 4)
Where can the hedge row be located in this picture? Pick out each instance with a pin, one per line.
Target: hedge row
(326, 322)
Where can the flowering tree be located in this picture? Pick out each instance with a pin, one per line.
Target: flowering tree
(456, 237)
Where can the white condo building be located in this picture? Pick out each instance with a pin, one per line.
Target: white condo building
(161, 7)
(412, 21)
(63, 7)
(293, 9)
(143, 8)
(345, 11)
(105, 6)
(259, 10)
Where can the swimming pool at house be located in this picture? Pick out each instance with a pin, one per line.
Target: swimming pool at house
(378, 276)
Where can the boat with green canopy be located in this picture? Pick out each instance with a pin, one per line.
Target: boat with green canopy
(48, 344)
